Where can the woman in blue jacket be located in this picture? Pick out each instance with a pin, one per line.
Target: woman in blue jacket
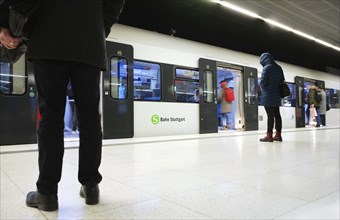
(272, 76)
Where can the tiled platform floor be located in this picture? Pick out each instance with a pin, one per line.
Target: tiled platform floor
(226, 176)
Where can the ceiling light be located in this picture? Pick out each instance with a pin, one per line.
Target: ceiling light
(275, 23)
(237, 8)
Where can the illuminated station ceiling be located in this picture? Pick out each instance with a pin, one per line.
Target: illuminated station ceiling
(210, 22)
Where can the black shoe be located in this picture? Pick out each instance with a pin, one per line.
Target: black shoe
(90, 193)
(42, 202)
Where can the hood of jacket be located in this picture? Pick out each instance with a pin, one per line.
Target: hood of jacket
(266, 58)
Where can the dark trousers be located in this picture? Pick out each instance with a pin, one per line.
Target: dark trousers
(51, 78)
(273, 114)
(307, 114)
(323, 120)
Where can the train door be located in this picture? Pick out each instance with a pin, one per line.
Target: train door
(208, 96)
(250, 87)
(18, 108)
(70, 117)
(118, 92)
(300, 116)
(306, 118)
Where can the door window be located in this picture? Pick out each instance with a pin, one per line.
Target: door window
(118, 79)
(208, 90)
(251, 95)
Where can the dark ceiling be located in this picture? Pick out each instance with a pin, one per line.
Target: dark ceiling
(210, 23)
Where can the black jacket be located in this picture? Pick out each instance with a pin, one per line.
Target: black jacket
(22, 6)
(72, 30)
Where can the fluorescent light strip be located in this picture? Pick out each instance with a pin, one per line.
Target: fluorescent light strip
(277, 24)
(238, 9)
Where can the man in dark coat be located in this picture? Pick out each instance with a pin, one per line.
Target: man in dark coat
(67, 43)
(272, 76)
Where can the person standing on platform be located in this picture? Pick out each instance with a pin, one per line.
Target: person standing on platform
(271, 78)
(67, 43)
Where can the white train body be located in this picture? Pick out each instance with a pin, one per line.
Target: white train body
(130, 117)
(155, 47)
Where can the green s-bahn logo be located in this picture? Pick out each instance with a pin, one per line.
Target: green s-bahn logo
(155, 119)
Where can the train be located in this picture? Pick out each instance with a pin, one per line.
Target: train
(160, 85)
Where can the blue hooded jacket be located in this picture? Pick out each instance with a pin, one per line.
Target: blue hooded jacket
(272, 76)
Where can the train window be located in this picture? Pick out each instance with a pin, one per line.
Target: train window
(187, 73)
(186, 91)
(335, 101)
(290, 101)
(332, 97)
(118, 80)
(251, 95)
(208, 88)
(186, 85)
(13, 78)
(259, 92)
(147, 81)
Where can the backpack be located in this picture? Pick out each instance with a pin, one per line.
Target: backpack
(318, 96)
(229, 95)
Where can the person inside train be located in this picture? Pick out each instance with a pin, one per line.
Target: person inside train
(307, 111)
(323, 105)
(67, 43)
(271, 78)
(196, 96)
(225, 106)
(314, 102)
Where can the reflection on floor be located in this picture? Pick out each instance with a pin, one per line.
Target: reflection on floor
(226, 129)
(228, 175)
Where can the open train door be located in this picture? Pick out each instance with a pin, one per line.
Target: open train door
(118, 92)
(18, 104)
(250, 94)
(208, 96)
(300, 102)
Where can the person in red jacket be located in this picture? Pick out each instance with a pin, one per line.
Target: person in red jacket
(67, 44)
(226, 107)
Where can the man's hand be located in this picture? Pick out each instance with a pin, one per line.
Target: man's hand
(7, 41)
